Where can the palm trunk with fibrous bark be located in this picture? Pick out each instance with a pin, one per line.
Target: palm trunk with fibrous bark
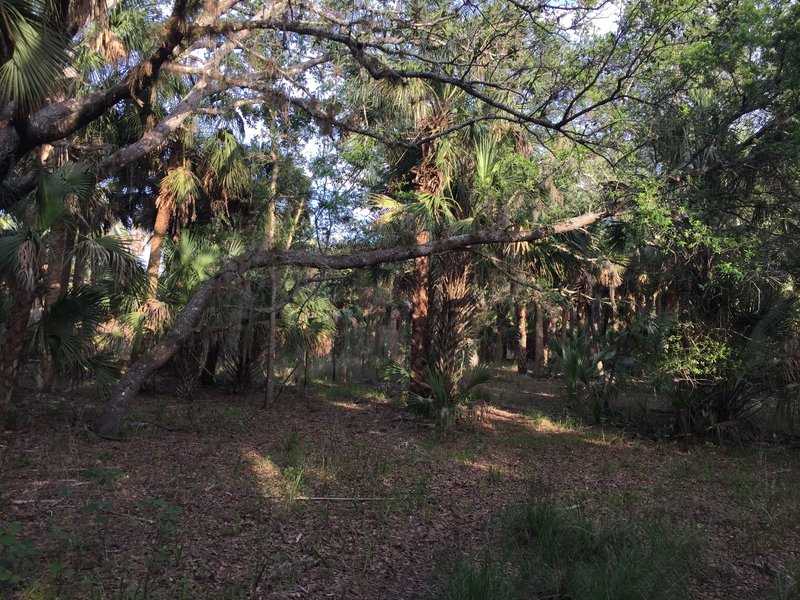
(420, 323)
(13, 337)
(454, 306)
(22, 297)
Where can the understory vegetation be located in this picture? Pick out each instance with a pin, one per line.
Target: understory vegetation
(553, 552)
(411, 299)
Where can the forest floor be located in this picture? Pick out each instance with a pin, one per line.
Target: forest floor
(339, 494)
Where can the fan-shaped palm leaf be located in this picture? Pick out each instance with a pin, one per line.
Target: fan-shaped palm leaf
(33, 55)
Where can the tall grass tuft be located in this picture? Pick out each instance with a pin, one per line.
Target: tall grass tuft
(550, 552)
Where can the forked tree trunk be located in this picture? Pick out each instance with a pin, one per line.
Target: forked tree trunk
(420, 325)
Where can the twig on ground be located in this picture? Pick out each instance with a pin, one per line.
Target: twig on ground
(348, 498)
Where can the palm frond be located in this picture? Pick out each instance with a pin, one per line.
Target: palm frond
(60, 193)
(487, 162)
(109, 255)
(37, 58)
(66, 331)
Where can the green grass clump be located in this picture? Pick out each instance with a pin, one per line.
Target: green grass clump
(550, 552)
(477, 582)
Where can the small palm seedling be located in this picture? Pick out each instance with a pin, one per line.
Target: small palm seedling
(443, 404)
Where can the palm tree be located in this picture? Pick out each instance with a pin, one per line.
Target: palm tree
(20, 266)
(188, 263)
(309, 324)
(63, 337)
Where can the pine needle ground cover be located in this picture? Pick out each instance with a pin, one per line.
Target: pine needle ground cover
(339, 494)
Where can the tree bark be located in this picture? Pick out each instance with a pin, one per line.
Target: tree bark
(160, 230)
(420, 326)
(110, 422)
(521, 318)
(21, 304)
(61, 119)
(391, 333)
(209, 371)
(499, 346)
(57, 265)
(269, 244)
(538, 328)
(612, 299)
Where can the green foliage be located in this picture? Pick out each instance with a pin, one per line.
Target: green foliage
(18, 556)
(33, 53)
(553, 552)
(580, 365)
(309, 321)
(441, 404)
(485, 581)
(187, 263)
(716, 378)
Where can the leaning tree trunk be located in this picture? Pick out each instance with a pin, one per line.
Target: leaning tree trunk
(420, 325)
(110, 421)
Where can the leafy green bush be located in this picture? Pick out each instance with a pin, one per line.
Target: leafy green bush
(583, 370)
